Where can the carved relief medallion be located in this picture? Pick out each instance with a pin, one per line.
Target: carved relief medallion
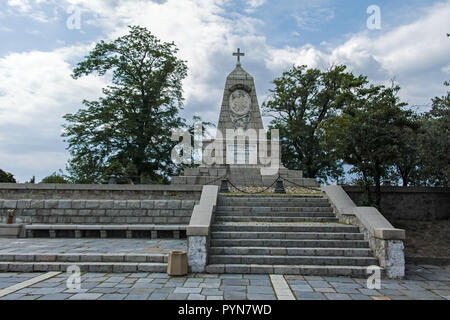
(240, 105)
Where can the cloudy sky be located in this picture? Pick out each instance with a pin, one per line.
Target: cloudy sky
(42, 40)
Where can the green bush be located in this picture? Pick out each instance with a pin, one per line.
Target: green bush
(6, 177)
(54, 178)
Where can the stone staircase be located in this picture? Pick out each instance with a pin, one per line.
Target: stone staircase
(285, 234)
(95, 262)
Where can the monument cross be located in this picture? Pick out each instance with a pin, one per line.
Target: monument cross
(239, 54)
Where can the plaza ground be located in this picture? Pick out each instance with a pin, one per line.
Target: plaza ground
(422, 282)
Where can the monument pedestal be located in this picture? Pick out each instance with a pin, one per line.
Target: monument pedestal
(241, 176)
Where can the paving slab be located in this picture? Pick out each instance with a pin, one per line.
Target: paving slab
(136, 297)
(195, 296)
(177, 296)
(235, 282)
(309, 295)
(12, 296)
(302, 288)
(337, 296)
(259, 290)
(187, 290)
(57, 296)
(260, 296)
(86, 296)
(233, 295)
(154, 296)
(358, 296)
(113, 297)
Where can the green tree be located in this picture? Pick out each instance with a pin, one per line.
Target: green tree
(32, 180)
(116, 172)
(55, 177)
(367, 134)
(6, 177)
(435, 143)
(409, 156)
(132, 122)
(301, 100)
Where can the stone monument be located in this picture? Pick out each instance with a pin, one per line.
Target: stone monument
(241, 150)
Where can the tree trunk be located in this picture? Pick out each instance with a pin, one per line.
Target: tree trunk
(368, 191)
(405, 181)
(377, 178)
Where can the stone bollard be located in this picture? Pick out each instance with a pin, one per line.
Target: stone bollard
(279, 187)
(177, 264)
(10, 217)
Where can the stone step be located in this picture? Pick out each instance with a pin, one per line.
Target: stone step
(103, 267)
(270, 227)
(317, 252)
(277, 214)
(273, 219)
(305, 270)
(292, 260)
(85, 257)
(257, 210)
(289, 243)
(270, 203)
(270, 196)
(287, 235)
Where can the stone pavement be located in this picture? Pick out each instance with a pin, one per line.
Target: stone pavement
(8, 281)
(421, 283)
(86, 246)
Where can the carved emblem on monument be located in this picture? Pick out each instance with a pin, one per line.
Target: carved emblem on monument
(240, 106)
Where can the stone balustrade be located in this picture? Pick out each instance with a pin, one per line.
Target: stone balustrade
(198, 231)
(385, 240)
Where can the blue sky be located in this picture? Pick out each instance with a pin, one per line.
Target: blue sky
(39, 51)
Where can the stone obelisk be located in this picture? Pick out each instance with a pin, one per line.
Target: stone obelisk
(239, 110)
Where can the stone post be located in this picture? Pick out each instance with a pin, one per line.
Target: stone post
(198, 231)
(198, 253)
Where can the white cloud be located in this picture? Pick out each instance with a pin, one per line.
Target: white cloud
(414, 54)
(446, 69)
(31, 9)
(37, 91)
(255, 3)
(36, 88)
(5, 29)
(32, 163)
(311, 18)
(21, 5)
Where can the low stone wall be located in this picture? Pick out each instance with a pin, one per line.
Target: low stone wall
(66, 211)
(15, 191)
(408, 203)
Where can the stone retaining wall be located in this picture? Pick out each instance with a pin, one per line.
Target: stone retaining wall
(409, 203)
(14, 191)
(65, 211)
